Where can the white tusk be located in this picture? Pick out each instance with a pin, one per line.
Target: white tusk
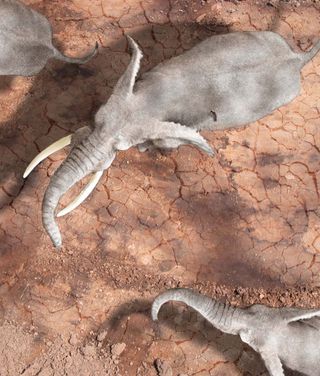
(83, 194)
(60, 144)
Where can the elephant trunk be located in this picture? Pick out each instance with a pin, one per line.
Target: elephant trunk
(80, 162)
(76, 60)
(223, 316)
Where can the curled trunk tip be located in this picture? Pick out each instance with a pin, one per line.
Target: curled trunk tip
(76, 60)
(179, 294)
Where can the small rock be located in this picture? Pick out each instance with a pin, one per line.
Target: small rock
(163, 368)
(271, 4)
(200, 18)
(73, 339)
(118, 348)
(101, 336)
(88, 350)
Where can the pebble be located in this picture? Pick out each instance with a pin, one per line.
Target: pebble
(163, 368)
(88, 350)
(101, 336)
(118, 348)
(73, 339)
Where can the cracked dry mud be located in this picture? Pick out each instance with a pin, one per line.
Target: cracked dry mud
(242, 226)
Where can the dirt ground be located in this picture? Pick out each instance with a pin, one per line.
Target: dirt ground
(243, 226)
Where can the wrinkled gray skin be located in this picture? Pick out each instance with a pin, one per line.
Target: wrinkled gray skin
(26, 41)
(288, 336)
(240, 77)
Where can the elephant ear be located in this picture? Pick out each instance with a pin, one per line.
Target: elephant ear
(162, 134)
(126, 82)
(309, 317)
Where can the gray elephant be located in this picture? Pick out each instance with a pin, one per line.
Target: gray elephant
(26, 41)
(288, 336)
(225, 81)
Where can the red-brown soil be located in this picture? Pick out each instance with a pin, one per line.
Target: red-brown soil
(243, 226)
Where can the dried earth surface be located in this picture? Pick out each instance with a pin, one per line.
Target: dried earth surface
(243, 226)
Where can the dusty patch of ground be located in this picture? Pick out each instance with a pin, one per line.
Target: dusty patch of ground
(26, 353)
(242, 226)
